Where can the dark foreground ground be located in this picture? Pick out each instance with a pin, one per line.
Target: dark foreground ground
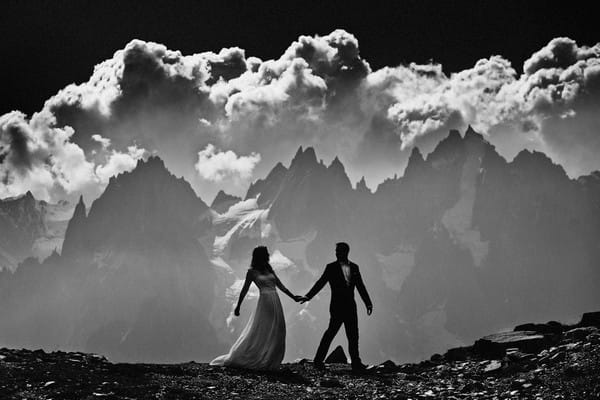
(536, 361)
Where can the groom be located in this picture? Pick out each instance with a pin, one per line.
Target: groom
(343, 276)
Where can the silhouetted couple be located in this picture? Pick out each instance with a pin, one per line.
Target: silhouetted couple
(261, 345)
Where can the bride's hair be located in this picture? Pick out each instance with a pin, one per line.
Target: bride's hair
(260, 260)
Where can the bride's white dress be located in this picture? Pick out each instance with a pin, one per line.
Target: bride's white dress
(261, 344)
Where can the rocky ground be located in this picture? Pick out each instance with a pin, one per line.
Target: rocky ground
(535, 361)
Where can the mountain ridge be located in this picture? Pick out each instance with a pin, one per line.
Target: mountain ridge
(461, 236)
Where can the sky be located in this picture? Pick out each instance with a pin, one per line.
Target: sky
(224, 90)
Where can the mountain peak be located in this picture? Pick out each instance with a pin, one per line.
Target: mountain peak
(537, 161)
(277, 169)
(154, 162)
(223, 201)
(453, 135)
(299, 153)
(470, 133)
(338, 172)
(74, 233)
(267, 187)
(221, 193)
(304, 158)
(526, 156)
(80, 210)
(24, 196)
(361, 186)
(447, 149)
(416, 155)
(416, 162)
(310, 155)
(336, 163)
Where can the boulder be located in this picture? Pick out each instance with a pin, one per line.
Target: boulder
(494, 346)
(515, 355)
(388, 365)
(580, 333)
(590, 319)
(337, 356)
(551, 327)
(457, 354)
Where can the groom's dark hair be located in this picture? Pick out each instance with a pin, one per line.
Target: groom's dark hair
(343, 246)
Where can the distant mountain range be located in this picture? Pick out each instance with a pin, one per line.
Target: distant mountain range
(462, 244)
(30, 227)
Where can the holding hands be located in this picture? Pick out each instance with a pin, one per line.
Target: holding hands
(300, 299)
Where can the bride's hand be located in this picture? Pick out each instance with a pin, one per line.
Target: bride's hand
(236, 312)
(297, 298)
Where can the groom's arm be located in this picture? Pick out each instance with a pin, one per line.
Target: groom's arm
(318, 285)
(362, 290)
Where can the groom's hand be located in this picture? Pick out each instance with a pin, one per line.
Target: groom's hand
(369, 310)
(236, 312)
(303, 299)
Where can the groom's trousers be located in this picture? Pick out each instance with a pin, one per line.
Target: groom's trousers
(349, 318)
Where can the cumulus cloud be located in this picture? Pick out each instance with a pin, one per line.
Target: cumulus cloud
(37, 156)
(119, 162)
(217, 165)
(105, 142)
(319, 92)
(560, 90)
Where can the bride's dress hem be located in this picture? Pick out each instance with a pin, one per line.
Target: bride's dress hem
(261, 345)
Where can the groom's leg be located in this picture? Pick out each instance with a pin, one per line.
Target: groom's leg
(351, 328)
(335, 322)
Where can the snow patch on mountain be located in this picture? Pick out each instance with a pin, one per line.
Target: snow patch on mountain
(397, 266)
(56, 219)
(243, 219)
(221, 264)
(279, 262)
(295, 250)
(458, 219)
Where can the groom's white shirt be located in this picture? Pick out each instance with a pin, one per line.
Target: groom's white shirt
(346, 271)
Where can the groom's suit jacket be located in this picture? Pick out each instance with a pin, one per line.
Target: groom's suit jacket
(342, 293)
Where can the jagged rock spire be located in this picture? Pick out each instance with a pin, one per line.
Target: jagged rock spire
(337, 170)
(223, 201)
(361, 186)
(73, 235)
(267, 187)
(304, 158)
(454, 134)
(336, 166)
(416, 163)
(470, 133)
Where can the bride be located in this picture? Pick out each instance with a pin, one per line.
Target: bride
(261, 344)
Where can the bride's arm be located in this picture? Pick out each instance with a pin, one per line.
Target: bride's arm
(244, 291)
(284, 289)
